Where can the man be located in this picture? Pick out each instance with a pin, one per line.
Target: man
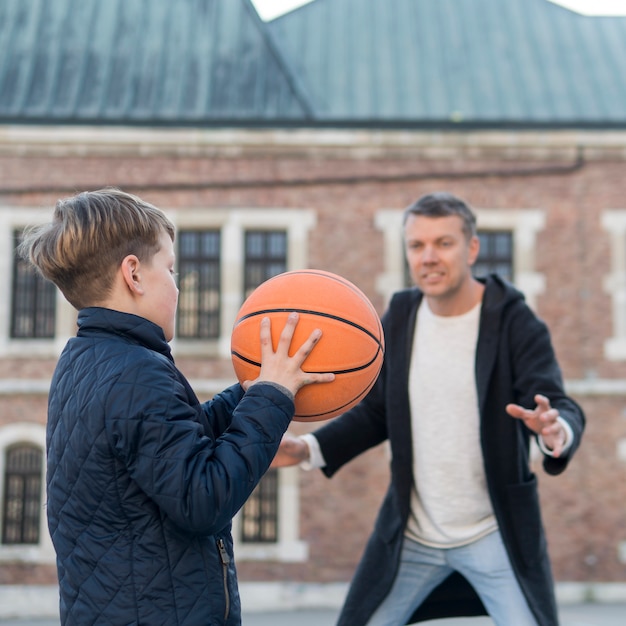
(469, 377)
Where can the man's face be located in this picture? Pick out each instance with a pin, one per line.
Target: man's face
(439, 254)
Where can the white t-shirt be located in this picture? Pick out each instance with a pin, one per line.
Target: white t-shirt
(450, 505)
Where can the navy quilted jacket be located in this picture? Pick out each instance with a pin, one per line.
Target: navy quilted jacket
(143, 480)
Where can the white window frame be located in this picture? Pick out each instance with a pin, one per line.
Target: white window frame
(614, 223)
(524, 224)
(11, 219)
(289, 548)
(233, 223)
(43, 552)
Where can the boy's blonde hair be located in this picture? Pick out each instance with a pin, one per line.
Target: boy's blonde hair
(89, 236)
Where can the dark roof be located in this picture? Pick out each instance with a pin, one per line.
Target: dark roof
(141, 61)
(473, 61)
(378, 63)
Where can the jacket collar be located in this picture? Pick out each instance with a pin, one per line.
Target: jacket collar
(100, 322)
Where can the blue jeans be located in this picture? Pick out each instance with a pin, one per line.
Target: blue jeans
(484, 563)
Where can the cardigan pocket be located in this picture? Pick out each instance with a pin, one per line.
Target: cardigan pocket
(525, 520)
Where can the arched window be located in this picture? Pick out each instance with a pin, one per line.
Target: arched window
(21, 508)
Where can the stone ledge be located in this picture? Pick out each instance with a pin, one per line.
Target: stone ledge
(41, 601)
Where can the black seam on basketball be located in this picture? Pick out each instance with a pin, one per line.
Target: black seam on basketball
(348, 371)
(360, 395)
(245, 359)
(311, 312)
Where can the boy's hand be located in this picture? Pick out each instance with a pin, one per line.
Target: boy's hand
(278, 367)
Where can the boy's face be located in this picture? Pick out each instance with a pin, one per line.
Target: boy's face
(161, 293)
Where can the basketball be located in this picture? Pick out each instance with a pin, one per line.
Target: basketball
(351, 346)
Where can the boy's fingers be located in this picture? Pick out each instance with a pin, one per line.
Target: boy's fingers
(288, 330)
(266, 333)
(305, 349)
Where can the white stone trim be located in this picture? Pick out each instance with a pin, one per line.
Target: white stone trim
(546, 145)
(614, 223)
(42, 601)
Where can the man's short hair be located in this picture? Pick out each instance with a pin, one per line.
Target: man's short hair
(443, 204)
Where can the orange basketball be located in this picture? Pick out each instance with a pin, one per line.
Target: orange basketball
(351, 346)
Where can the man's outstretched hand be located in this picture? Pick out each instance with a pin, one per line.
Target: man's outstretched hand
(543, 421)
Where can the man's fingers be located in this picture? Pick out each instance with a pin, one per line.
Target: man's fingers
(543, 404)
(515, 410)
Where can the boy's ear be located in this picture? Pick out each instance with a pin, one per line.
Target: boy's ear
(131, 274)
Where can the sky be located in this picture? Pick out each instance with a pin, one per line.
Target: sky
(269, 9)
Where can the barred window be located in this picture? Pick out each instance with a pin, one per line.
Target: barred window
(259, 516)
(22, 495)
(33, 300)
(496, 254)
(265, 256)
(199, 284)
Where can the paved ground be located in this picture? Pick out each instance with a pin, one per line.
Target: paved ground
(599, 614)
(572, 615)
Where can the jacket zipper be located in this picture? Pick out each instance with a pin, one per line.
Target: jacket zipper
(225, 561)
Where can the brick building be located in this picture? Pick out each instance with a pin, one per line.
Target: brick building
(297, 143)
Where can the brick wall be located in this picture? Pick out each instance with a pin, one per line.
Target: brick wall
(584, 511)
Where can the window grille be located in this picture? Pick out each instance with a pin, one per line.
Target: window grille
(259, 516)
(22, 495)
(265, 256)
(496, 254)
(199, 284)
(33, 300)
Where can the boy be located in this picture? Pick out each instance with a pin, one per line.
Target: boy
(142, 479)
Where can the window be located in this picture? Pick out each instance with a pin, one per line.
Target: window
(199, 284)
(24, 536)
(259, 516)
(22, 495)
(33, 301)
(496, 254)
(265, 256)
